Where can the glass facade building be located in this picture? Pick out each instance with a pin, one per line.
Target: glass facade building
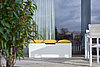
(45, 19)
(85, 19)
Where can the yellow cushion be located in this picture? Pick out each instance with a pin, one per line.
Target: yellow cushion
(31, 41)
(50, 41)
(64, 41)
(36, 41)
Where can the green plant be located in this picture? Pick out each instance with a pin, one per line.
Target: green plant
(16, 28)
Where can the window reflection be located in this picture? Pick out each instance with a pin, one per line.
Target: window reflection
(68, 22)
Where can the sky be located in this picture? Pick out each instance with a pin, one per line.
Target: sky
(68, 14)
(95, 11)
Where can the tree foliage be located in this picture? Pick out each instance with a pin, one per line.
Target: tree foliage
(16, 27)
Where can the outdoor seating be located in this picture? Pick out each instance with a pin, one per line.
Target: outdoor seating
(93, 32)
(50, 49)
(36, 41)
(64, 41)
(50, 41)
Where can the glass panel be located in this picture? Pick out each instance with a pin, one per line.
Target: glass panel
(45, 19)
(68, 21)
(95, 11)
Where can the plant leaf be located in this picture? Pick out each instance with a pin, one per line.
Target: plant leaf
(2, 43)
(15, 14)
(4, 23)
(5, 36)
(1, 30)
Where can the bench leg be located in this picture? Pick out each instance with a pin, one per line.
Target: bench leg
(90, 51)
(97, 55)
(86, 48)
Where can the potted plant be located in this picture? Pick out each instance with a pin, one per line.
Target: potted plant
(16, 28)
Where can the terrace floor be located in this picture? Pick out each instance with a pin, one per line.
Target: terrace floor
(56, 62)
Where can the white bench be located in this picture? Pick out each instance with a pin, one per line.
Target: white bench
(58, 50)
